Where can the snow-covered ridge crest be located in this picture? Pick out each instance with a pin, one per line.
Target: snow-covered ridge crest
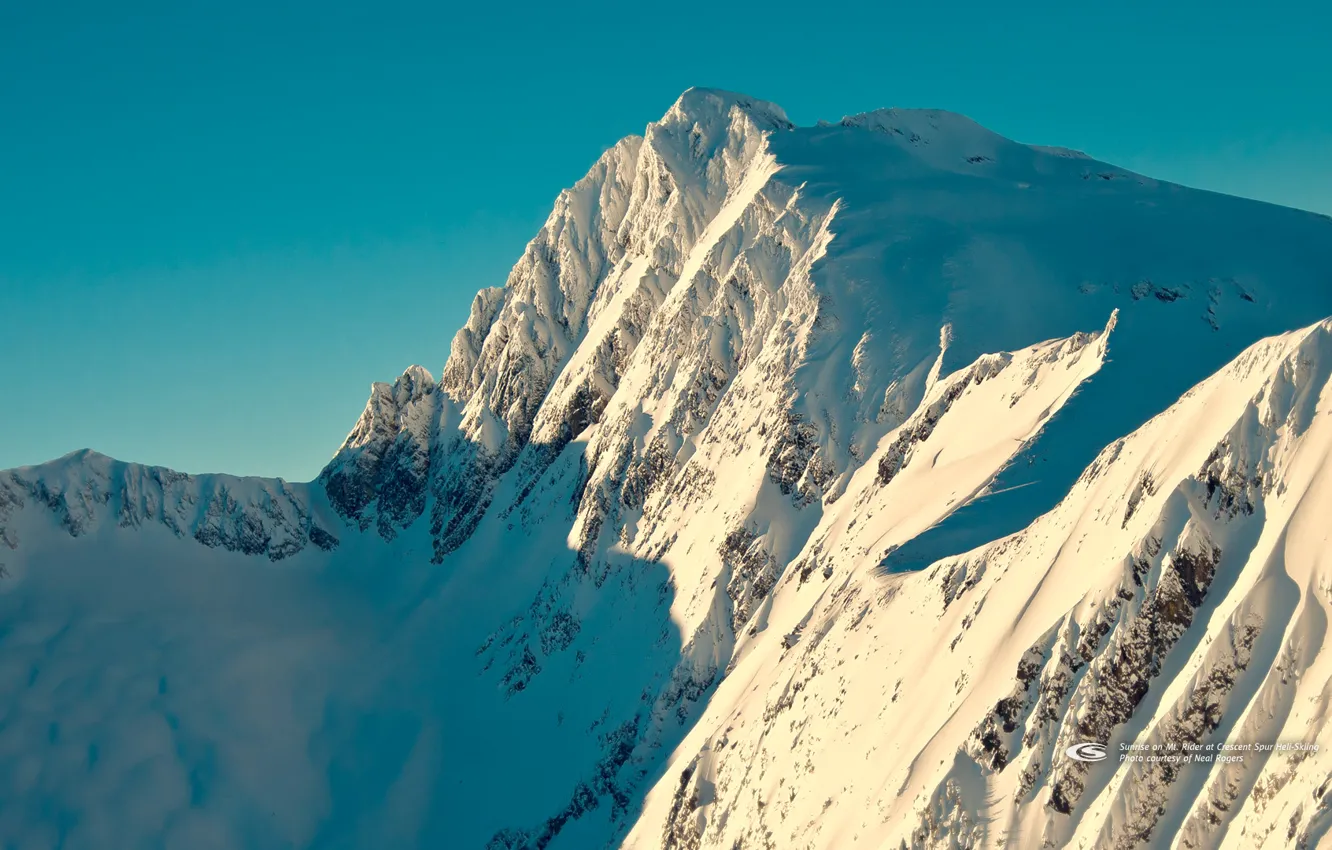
(85, 491)
(725, 215)
(1177, 596)
(574, 308)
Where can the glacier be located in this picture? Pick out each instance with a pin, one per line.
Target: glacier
(801, 487)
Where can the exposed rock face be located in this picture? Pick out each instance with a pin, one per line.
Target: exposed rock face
(85, 490)
(381, 473)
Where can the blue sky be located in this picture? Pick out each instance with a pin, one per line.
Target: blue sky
(220, 222)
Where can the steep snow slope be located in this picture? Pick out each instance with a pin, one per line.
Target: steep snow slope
(1177, 595)
(753, 394)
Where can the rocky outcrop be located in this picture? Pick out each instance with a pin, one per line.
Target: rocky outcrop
(252, 516)
(380, 475)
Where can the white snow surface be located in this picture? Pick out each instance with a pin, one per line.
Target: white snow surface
(807, 487)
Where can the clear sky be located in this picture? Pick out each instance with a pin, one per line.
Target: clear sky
(220, 222)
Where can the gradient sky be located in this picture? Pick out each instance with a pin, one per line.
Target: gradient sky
(220, 222)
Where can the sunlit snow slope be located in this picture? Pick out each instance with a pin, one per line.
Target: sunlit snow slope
(801, 487)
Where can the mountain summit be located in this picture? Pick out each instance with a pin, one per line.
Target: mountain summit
(802, 486)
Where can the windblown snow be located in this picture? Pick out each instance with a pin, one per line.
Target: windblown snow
(802, 487)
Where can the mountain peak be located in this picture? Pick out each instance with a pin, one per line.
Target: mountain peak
(389, 405)
(413, 382)
(700, 105)
(776, 445)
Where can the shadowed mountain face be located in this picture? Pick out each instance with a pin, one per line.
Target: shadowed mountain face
(802, 486)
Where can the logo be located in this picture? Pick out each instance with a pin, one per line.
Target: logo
(1086, 752)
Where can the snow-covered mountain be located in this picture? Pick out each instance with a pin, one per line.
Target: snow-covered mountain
(801, 487)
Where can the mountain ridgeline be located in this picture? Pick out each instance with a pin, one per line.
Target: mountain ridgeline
(801, 487)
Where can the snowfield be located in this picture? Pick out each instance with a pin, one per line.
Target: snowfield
(802, 487)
